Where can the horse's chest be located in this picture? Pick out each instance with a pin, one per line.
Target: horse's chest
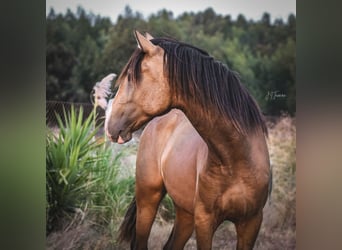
(238, 200)
(232, 199)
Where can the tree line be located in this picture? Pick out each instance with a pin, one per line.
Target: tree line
(82, 48)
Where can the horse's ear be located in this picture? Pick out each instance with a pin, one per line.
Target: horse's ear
(144, 44)
(148, 36)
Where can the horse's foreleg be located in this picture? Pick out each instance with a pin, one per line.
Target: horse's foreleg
(205, 226)
(147, 206)
(182, 230)
(247, 232)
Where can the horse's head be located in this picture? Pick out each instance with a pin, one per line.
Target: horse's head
(143, 92)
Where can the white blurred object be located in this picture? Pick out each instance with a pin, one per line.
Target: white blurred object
(108, 111)
(102, 91)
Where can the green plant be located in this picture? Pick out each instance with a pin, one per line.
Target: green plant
(83, 174)
(70, 162)
(112, 194)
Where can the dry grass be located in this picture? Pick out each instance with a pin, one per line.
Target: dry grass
(280, 211)
(278, 230)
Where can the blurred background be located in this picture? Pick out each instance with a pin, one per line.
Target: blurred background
(87, 40)
(84, 43)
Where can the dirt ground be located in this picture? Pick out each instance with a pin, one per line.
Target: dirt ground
(85, 237)
(225, 238)
(88, 236)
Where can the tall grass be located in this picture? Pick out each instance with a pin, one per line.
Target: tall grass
(82, 175)
(282, 148)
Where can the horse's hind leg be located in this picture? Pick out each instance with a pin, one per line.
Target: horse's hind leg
(247, 232)
(182, 230)
(147, 206)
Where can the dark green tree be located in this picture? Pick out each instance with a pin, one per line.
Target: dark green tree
(83, 47)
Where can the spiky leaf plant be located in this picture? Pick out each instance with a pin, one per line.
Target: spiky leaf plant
(70, 157)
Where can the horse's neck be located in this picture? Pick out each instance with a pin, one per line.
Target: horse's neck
(224, 143)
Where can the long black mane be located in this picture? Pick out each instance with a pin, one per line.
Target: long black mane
(194, 74)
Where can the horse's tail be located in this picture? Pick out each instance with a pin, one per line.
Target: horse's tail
(127, 228)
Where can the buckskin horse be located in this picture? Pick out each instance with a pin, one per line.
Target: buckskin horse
(213, 161)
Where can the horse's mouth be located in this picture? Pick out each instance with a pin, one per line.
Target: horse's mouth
(119, 136)
(123, 137)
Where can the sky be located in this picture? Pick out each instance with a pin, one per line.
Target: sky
(251, 9)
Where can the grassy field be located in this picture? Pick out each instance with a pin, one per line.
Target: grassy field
(89, 228)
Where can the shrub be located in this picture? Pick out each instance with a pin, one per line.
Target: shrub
(82, 174)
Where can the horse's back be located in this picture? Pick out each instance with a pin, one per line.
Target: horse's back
(176, 152)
